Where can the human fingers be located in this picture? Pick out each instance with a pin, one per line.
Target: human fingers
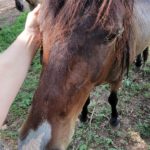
(36, 9)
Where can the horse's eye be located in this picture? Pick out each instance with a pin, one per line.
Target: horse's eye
(110, 37)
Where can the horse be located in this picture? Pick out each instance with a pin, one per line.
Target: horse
(32, 4)
(85, 44)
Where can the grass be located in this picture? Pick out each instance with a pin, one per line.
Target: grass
(133, 107)
(9, 33)
(144, 128)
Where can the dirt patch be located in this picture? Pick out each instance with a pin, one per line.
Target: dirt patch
(8, 12)
(136, 142)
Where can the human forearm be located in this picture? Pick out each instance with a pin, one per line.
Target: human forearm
(14, 64)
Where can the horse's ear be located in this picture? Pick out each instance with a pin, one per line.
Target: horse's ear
(111, 36)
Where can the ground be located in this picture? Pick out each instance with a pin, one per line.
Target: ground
(96, 134)
(8, 12)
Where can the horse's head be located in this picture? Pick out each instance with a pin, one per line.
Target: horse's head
(78, 52)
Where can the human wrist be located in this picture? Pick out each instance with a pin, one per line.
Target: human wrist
(31, 39)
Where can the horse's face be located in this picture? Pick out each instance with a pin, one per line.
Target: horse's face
(73, 63)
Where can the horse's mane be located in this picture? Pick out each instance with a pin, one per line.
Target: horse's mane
(64, 13)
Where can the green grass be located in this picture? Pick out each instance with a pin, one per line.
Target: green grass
(96, 134)
(144, 128)
(9, 33)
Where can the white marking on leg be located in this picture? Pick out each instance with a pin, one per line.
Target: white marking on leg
(38, 139)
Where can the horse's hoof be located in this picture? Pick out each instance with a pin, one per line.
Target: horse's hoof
(19, 6)
(115, 123)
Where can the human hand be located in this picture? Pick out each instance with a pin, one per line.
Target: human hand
(32, 21)
(32, 26)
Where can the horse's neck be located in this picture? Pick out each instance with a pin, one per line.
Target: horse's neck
(141, 26)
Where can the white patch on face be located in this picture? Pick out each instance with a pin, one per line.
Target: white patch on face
(38, 139)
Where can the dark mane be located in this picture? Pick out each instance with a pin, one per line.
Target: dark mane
(63, 14)
(122, 44)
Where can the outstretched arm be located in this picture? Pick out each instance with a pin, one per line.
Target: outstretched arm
(15, 62)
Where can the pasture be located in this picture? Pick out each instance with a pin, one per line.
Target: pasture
(96, 134)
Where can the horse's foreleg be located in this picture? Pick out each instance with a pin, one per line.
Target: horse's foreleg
(138, 62)
(113, 100)
(145, 55)
(139, 58)
(84, 113)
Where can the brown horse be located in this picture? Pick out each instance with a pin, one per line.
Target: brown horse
(85, 43)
